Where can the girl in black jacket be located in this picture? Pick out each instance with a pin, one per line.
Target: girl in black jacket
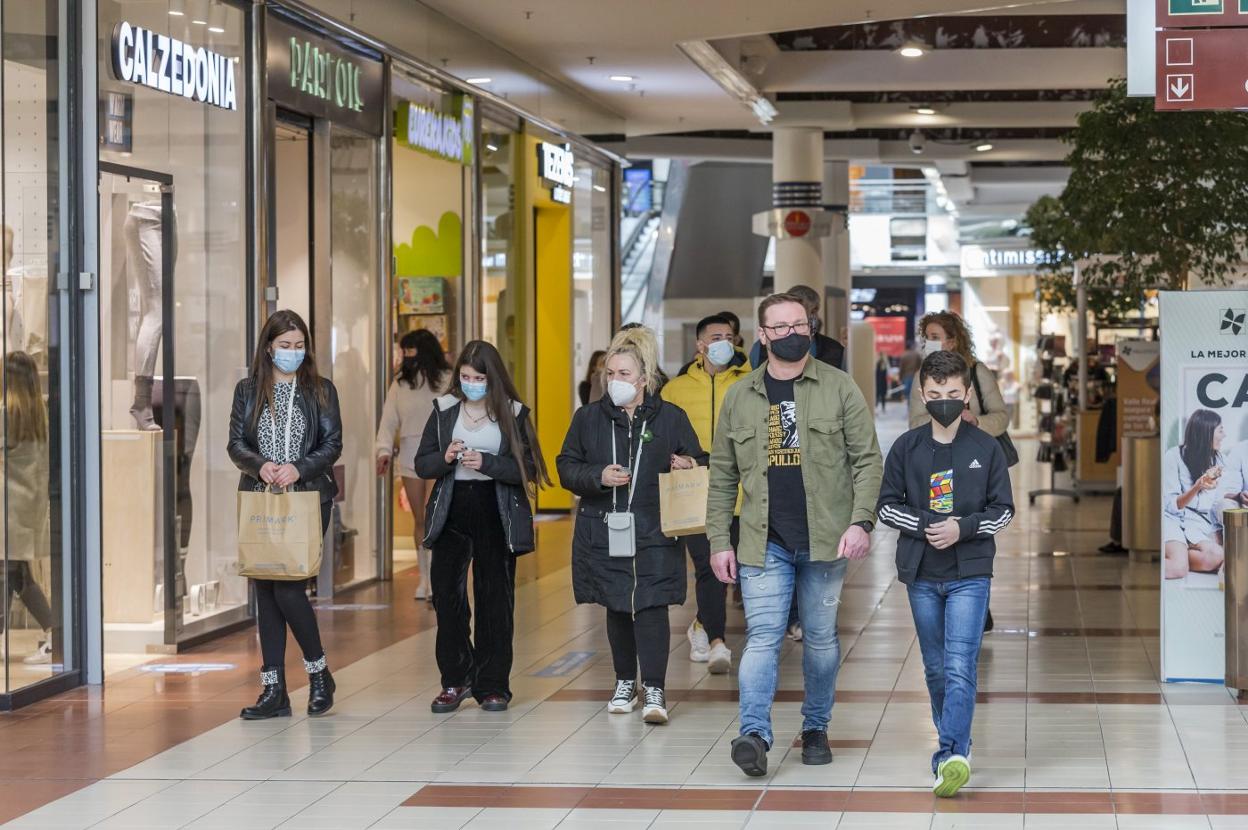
(286, 432)
(612, 457)
(481, 447)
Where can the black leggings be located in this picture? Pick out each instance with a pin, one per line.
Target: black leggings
(19, 580)
(280, 604)
(644, 637)
(711, 593)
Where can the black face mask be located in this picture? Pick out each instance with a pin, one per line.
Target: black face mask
(946, 410)
(791, 348)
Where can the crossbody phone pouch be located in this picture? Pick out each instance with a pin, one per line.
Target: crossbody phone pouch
(622, 526)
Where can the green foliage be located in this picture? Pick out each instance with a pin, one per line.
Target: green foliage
(1163, 194)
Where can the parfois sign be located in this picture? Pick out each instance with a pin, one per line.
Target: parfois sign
(166, 64)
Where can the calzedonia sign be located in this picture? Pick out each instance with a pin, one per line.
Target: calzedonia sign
(316, 76)
(166, 64)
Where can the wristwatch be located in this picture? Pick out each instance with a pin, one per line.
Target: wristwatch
(867, 526)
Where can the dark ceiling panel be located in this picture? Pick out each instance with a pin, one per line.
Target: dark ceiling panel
(985, 32)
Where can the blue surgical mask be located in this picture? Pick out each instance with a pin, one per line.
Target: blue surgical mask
(720, 352)
(288, 360)
(473, 391)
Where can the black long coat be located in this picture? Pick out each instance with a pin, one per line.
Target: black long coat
(656, 576)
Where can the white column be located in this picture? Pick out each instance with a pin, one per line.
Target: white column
(837, 277)
(797, 179)
(937, 296)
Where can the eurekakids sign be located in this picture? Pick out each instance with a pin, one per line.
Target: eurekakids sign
(166, 64)
(317, 76)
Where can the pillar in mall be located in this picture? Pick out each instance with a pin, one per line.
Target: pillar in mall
(797, 182)
(937, 293)
(837, 277)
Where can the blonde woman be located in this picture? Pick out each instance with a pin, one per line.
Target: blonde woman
(612, 457)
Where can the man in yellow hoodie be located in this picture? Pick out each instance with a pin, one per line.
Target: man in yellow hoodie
(700, 392)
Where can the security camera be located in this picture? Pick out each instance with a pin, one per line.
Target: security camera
(918, 142)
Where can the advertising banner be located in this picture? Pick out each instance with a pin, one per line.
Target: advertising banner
(890, 334)
(1204, 470)
(1139, 387)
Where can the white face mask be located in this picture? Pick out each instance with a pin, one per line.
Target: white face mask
(931, 347)
(720, 352)
(622, 392)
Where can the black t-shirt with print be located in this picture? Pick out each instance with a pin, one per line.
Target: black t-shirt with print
(939, 565)
(786, 492)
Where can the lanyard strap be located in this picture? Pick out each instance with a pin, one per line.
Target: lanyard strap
(632, 474)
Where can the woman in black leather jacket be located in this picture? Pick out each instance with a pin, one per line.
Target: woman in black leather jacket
(286, 431)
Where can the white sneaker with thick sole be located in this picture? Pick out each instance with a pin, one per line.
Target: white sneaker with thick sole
(655, 712)
(625, 698)
(699, 645)
(720, 659)
(43, 654)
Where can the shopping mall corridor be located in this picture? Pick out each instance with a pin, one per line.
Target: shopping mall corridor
(1073, 729)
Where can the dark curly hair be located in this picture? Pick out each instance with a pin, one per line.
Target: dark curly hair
(940, 366)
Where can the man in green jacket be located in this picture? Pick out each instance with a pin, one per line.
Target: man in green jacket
(797, 437)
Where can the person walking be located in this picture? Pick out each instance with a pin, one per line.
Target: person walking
(26, 505)
(822, 347)
(882, 370)
(700, 392)
(947, 490)
(590, 389)
(286, 432)
(422, 376)
(612, 457)
(797, 438)
(481, 447)
(985, 407)
(908, 366)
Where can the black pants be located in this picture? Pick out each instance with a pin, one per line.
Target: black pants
(712, 594)
(20, 581)
(280, 605)
(643, 638)
(478, 656)
(1115, 518)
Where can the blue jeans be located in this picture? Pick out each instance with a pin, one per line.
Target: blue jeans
(949, 619)
(767, 592)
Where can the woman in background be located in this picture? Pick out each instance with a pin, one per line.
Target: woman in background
(422, 377)
(590, 389)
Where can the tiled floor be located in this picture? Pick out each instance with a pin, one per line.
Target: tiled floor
(1072, 730)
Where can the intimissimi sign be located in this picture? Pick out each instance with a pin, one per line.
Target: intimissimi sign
(166, 64)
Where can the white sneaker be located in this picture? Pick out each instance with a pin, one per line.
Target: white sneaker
(42, 654)
(655, 712)
(720, 659)
(625, 698)
(423, 591)
(699, 645)
(795, 632)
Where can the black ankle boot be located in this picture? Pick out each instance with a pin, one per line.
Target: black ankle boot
(321, 687)
(273, 701)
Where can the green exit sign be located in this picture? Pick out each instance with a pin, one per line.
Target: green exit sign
(1190, 7)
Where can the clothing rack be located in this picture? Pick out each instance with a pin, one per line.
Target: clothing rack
(1053, 407)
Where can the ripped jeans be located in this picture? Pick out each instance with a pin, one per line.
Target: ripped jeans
(767, 592)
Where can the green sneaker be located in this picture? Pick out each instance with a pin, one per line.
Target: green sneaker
(951, 776)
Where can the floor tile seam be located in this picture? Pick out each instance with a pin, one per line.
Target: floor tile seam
(167, 785)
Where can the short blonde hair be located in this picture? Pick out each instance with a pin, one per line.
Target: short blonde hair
(641, 345)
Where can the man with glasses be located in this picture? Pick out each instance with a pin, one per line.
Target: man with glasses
(797, 438)
(700, 391)
(822, 347)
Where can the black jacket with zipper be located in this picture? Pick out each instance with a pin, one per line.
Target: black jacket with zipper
(322, 440)
(982, 499)
(513, 502)
(656, 575)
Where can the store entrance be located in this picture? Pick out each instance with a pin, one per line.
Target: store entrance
(324, 213)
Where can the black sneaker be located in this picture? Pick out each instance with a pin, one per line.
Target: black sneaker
(988, 623)
(815, 750)
(749, 752)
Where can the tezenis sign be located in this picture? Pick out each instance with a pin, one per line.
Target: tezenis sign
(166, 64)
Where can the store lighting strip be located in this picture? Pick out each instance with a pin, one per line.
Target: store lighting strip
(708, 59)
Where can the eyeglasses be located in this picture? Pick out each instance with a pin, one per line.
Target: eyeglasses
(785, 329)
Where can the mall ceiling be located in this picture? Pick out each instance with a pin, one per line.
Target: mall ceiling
(1013, 75)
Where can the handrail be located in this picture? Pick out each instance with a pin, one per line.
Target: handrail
(637, 231)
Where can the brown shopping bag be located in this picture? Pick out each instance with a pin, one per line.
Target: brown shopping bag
(682, 501)
(279, 535)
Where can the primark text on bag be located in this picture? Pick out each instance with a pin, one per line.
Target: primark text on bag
(279, 535)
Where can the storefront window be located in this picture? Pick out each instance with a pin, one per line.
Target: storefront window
(500, 291)
(33, 625)
(173, 342)
(591, 266)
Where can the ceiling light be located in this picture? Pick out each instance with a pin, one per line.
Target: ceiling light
(623, 79)
(479, 81)
(200, 22)
(176, 13)
(910, 51)
(983, 148)
(600, 188)
(924, 111)
(216, 30)
(491, 148)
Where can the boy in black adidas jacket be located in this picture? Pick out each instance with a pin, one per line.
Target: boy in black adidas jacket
(947, 489)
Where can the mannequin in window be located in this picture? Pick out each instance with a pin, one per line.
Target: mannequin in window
(144, 262)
